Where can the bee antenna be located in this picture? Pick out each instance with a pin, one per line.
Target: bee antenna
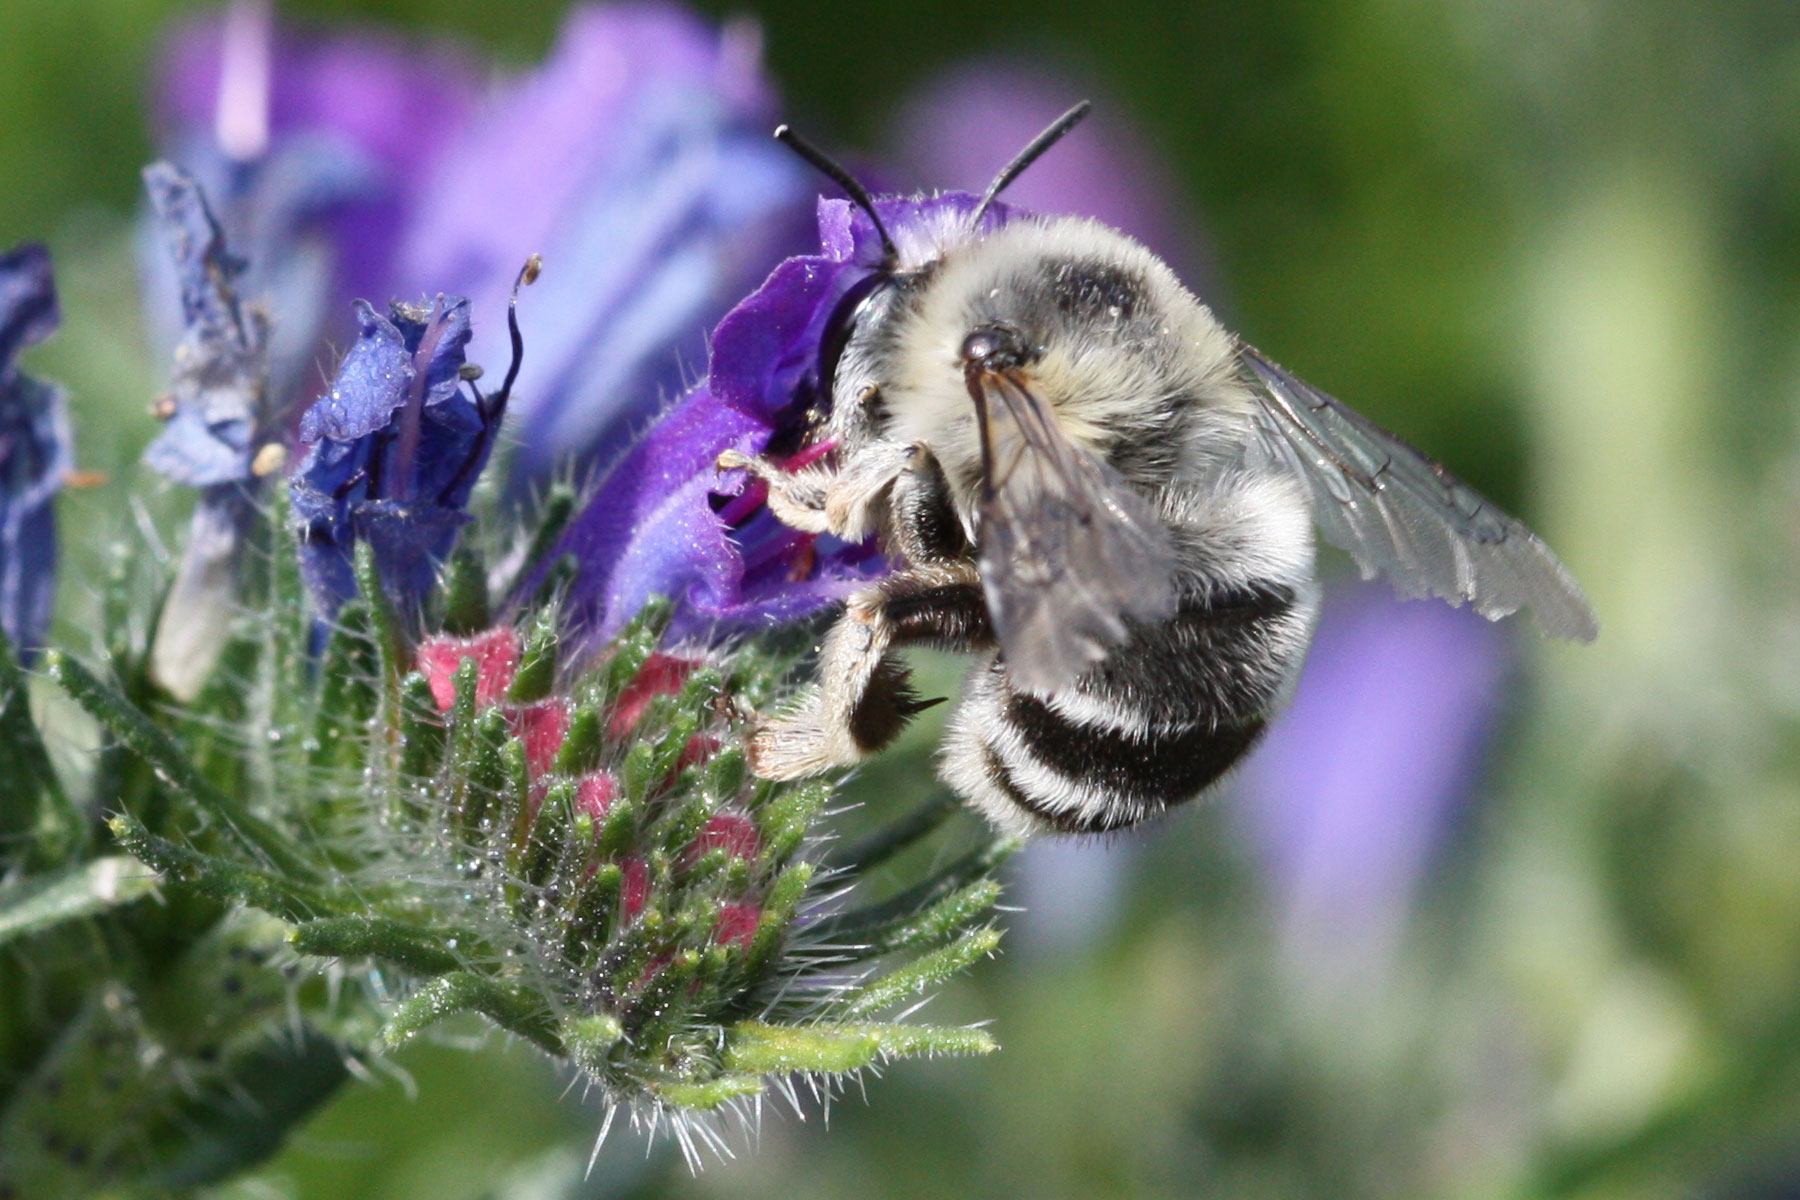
(1052, 134)
(834, 171)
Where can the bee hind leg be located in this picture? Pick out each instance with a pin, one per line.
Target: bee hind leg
(864, 697)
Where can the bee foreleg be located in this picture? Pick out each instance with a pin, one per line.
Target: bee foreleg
(864, 698)
(797, 498)
(817, 499)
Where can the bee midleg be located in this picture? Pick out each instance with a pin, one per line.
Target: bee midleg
(1151, 726)
(863, 698)
(922, 522)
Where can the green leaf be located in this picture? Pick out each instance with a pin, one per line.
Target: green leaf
(591, 1038)
(708, 1095)
(348, 694)
(128, 723)
(134, 1076)
(779, 907)
(289, 621)
(584, 744)
(390, 633)
(83, 890)
(465, 594)
(536, 676)
(936, 923)
(513, 1008)
(421, 951)
(423, 732)
(922, 973)
(218, 878)
(271, 1091)
(637, 642)
(786, 820)
(762, 1049)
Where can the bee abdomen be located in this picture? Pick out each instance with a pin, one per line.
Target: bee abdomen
(1088, 779)
(1131, 739)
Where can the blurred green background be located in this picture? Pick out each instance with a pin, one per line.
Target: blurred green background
(1557, 244)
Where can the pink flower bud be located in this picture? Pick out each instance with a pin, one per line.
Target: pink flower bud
(594, 795)
(661, 676)
(542, 727)
(733, 832)
(496, 655)
(635, 891)
(737, 925)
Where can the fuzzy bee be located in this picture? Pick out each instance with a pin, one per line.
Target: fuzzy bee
(1088, 482)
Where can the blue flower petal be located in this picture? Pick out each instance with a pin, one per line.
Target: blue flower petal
(371, 384)
(35, 451)
(394, 448)
(28, 308)
(219, 387)
(411, 542)
(438, 338)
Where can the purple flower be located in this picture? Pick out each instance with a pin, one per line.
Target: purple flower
(34, 450)
(312, 150)
(394, 450)
(637, 160)
(218, 414)
(217, 398)
(665, 521)
(1357, 784)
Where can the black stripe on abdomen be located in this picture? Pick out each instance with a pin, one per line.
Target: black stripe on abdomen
(1148, 771)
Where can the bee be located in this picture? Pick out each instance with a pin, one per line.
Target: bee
(1082, 478)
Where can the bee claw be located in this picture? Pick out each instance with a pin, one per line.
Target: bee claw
(912, 707)
(732, 460)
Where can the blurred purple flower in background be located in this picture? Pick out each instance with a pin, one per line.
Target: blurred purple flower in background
(964, 125)
(312, 151)
(637, 160)
(217, 413)
(35, 451)
(1356, 786)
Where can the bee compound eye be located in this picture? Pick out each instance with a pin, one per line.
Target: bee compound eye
(993, 348)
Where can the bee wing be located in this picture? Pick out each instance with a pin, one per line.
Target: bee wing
(1398, 512)
(1067, 549)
